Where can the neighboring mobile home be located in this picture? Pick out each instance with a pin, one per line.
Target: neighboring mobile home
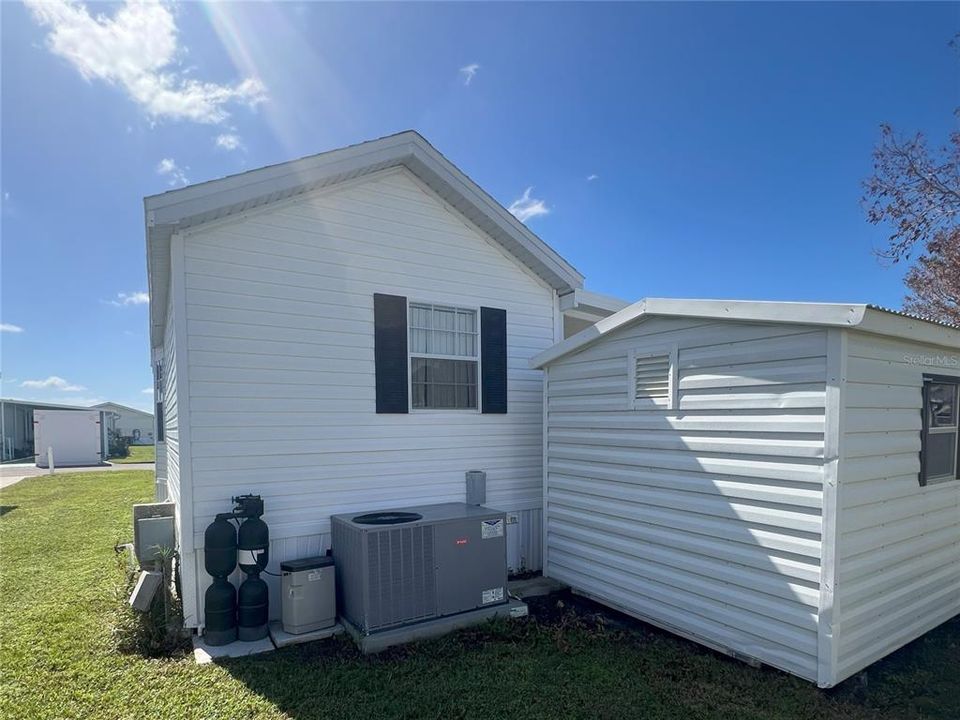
(129, 422)
(775, 480)
(349, 331)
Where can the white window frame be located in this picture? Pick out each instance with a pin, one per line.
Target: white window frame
(671, 401)
(410, 355)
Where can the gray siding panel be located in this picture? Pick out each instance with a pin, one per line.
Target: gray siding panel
(704, 519)
(898, 548)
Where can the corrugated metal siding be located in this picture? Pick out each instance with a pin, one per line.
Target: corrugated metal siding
(898, 546)
(280, 339)
(704, 519)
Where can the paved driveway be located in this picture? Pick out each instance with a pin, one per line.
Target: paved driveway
(13, 473)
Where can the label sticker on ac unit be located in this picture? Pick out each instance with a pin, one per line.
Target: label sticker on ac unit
(491, 528)
(492, 595)
(315, 575)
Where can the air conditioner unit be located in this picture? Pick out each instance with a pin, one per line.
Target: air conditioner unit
(399, 567)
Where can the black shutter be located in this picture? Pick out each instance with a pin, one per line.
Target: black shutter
(390, 352)
(493, 360)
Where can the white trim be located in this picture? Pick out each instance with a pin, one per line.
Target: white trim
(591, 306)
(188, 573)
(176, 210)
(544, 567)
(834, 411)
(466, 358)
(861, 317)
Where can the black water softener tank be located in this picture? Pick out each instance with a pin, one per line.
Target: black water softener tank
(253, 542)
(220, 600)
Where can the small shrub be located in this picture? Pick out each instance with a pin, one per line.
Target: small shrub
(119, 446)
(157, 632)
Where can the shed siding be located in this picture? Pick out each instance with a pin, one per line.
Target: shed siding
(898, 546)
(280, 335)
(704, 519)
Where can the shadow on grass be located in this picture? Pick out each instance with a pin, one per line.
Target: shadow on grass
(4, 509)
(575, 658)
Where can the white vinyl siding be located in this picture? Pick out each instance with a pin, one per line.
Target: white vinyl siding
(898, 547)
(169, 463)
(280, 336)
(705, 518)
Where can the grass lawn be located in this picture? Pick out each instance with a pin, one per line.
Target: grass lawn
(138, 454)
(58, 575)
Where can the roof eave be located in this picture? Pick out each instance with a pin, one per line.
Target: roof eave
(168, 212)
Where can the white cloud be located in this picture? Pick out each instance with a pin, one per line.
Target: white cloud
(137, 49)
(526, 207)
(147, 391)
(175, 174)
(592, 176)
(134, 298)
(53, 382)
(10, 328)
(229, 141)
(468, 71)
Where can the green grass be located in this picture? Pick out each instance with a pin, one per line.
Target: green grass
(138, 454)
(58, 575)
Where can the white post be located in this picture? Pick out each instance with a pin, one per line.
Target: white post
(50, 458)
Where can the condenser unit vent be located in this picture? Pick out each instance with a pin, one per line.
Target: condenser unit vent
(400, 567)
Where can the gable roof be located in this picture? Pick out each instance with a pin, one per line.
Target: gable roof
(122, 407)
(195, 204)
(868, 318)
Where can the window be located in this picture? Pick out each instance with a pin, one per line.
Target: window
(938, 448)
(653, 381)
(443, 357)
(158, 394)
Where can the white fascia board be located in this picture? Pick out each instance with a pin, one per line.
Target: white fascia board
(830, 314)
(892, 324)
(590, 305)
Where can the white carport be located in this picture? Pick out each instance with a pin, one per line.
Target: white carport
(775, 480)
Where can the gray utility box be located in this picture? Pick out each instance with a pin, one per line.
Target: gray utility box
(404, 566)
(153, 538)
(309, 594)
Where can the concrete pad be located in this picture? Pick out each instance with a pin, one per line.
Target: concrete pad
(204, 653)
(534, 587)
(427, 629)
(281, 638)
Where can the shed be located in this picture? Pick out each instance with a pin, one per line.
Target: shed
(775, 480)
(75, 437)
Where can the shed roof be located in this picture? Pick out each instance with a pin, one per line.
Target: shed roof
(868, 318)
(171, 211)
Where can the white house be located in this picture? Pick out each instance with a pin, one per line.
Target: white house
(129, 422)
(349, 331)
(775, 480)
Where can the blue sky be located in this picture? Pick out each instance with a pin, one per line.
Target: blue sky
(679, 150)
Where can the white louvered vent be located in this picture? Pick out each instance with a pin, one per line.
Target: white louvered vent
(652, 379)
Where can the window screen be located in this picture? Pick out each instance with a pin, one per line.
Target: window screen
(939, 444)
(443, 357)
